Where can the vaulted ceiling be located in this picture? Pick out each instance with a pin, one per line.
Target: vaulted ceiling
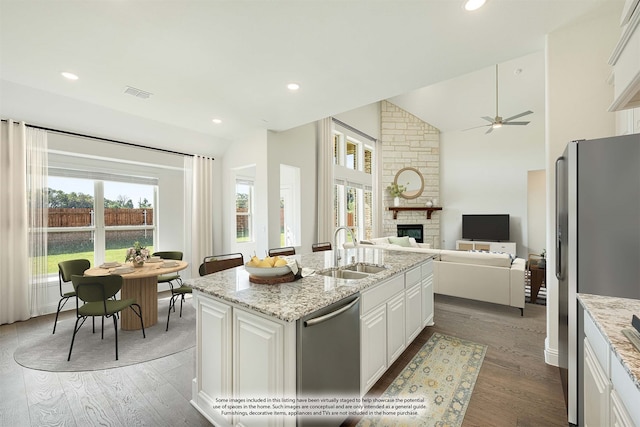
(232, 60)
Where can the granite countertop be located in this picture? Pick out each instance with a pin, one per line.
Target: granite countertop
(611, 315)
(293, 300)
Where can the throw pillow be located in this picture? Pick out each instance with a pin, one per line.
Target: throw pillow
(366, 242)
(400, 241)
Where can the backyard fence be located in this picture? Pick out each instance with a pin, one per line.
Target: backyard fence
(83, 217)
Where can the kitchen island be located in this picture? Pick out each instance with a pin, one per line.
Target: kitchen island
(247, 353)
(611, 363)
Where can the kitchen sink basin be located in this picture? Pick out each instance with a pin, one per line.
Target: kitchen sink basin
(366, 268)
(343, 274)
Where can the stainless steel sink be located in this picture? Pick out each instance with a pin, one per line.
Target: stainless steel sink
(366, 268)
(343, 274)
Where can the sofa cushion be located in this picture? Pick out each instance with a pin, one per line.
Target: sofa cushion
(400, 241)
(479, 258)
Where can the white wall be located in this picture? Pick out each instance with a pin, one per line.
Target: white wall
(578, 96)
(294, 147)
(537, 211)
(247, 152)
(487, 173)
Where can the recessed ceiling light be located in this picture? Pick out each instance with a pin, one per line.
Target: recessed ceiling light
(217, 121)
(474, 4)
(293, 86)
(69, 76)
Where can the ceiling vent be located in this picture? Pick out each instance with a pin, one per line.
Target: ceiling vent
(138, 93)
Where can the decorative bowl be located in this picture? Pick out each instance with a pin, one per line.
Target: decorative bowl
(268, 272)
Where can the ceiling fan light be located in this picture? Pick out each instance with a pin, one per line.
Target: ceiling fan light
(496, 125)
(472, 5)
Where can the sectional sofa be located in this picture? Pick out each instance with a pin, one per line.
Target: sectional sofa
(484, 276)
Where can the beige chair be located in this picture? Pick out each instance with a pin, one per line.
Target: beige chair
(287, 250)
(215, 263)
(323, 246)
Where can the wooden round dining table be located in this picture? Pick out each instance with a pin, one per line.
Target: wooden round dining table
(140, 284)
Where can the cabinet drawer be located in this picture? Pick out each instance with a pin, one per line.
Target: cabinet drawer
(427, 269)
(381, 293)
(413, 276)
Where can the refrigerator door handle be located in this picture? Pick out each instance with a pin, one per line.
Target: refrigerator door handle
(558, 255)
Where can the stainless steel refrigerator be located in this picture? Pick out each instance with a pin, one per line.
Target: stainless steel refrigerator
(597, 241)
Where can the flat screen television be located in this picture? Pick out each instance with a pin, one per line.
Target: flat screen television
(493, 227)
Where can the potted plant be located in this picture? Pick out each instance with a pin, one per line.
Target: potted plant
(396, 190)
(137, 254)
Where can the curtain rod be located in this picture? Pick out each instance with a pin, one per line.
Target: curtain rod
(130, 144)
(352, 129)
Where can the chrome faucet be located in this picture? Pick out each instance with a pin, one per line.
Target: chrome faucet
(336, 256)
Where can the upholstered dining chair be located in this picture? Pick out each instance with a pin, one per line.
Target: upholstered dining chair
(215, 263)
(66, 269)
(287, 250)
(169, 278)
(96, 293)
(322, 246)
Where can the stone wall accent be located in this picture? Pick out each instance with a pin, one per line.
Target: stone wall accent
(407, 141)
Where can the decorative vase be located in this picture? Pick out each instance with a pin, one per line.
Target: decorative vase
(396, 201)
(138, 264)
(429, 203)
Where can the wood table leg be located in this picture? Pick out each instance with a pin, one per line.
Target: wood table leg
(145, 292)
(537, 277)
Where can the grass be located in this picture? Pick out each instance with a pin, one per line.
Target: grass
(110, 255)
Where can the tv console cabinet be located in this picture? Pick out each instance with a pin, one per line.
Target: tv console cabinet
(478, 245)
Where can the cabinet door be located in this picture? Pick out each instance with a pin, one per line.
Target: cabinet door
(373, 333)
(619, 415)
(427, 301)
(213, 356)
(395, 328)
(414, 312)
(258, 357)
(596, 390)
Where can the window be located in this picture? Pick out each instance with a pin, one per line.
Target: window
(354, 176)
(244, 210)
(97, 219)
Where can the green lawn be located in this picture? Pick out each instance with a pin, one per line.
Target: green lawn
(110, 255)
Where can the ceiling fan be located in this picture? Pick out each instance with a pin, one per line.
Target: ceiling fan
(498, 121)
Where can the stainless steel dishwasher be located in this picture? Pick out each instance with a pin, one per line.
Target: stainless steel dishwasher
(328, 355)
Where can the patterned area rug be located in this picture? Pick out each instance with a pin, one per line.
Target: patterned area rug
(440, 379)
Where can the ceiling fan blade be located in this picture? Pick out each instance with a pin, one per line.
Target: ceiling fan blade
(518, 115)
(516, 123)
(489, 130)
(476, 127)
(487, 118)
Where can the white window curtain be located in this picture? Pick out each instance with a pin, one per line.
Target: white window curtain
(202, 207)
(23, 202)
(325, 179)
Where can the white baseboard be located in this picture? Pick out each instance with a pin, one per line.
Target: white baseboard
(550, 354)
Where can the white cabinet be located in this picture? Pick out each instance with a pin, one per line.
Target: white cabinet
(626, 61)
(395, 328)
(213, 335)
(596, 390)
(241, 354)
(477, 245)
(392, 315)
(427, 293)
(413, 297)
(373, 350)
(610, 396)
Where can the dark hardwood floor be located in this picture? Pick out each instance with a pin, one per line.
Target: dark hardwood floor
(515, 386)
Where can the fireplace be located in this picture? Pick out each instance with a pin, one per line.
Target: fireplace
(411, 230)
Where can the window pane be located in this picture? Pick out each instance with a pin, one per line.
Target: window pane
(352, 209)
(368, 215)
(336, 148)
(244, 192)
(352, 156)
(368, 160)
(64, 246)
(118, 241)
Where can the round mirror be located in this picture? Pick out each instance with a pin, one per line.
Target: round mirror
(412, 179)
